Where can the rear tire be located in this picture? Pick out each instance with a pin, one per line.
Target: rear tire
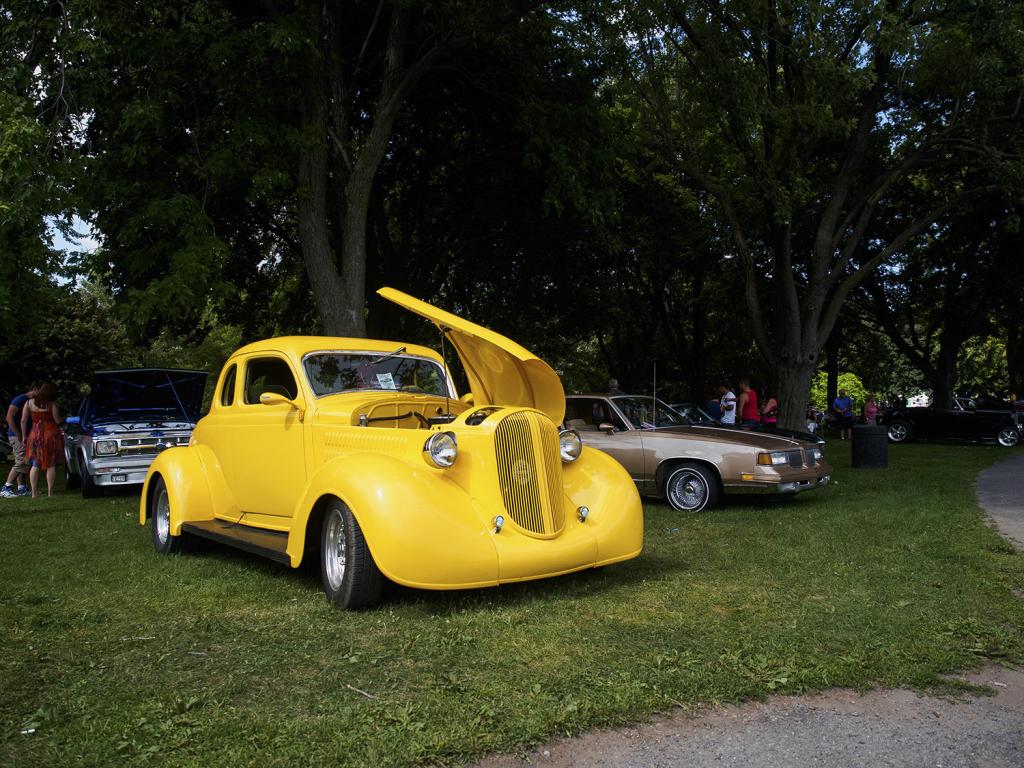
(900, 432)
(160, 520)
(350, 577)
(691, 488)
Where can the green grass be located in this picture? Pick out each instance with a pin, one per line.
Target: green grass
(114, 655)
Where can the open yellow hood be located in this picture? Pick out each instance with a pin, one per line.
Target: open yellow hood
(500, 372)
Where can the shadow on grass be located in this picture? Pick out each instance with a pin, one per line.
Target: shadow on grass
(567, 587)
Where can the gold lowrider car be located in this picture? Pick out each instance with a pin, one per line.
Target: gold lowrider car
(360, 453)
(689, 465)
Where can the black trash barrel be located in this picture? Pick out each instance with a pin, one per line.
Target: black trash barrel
(870, 447)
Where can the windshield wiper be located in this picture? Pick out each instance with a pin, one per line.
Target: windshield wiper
(388, 356)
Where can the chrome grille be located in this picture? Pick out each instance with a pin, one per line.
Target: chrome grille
(149, 446)
(796, 458)
(530, 472)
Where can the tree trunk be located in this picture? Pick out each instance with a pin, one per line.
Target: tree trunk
(943, 379)
(698, 357)
(794, 388)
(1015, 349)
(835, 341)
(314, 233)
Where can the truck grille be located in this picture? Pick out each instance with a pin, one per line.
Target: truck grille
(530, 472)
(149, 446)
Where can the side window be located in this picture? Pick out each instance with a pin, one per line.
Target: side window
(227, 392)
(268, 374)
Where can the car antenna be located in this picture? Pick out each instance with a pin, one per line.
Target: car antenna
(654, 398)
(444, 360)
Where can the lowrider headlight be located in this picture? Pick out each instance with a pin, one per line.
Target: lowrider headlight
(772, 459)
(569, 445)
(441, 449)
(104, 447)
(815, 455)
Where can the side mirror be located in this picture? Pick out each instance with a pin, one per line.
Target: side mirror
(604, 426)
(275, 398)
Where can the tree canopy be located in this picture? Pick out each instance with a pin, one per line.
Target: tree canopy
(710, 186)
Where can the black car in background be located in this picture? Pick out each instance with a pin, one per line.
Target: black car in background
(969, 420)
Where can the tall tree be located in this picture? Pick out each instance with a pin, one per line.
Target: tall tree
(801, 119)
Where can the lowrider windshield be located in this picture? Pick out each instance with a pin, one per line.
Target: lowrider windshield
(331, 372)
(641, 411)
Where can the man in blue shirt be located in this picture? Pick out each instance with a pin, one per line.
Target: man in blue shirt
(842, 407)
(19, 472)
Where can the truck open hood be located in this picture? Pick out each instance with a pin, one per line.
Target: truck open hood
(144, 394)
(500, 372)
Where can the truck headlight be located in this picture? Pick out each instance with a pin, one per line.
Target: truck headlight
(104, 447)
(772, 459)
(441, 449)
(569, 445)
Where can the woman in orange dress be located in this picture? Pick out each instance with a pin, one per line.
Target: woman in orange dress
(45, 447)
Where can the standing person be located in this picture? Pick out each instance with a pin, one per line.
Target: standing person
(870, 411)
(842, 407)
(46, 443)
(19, 472)
(613, 388)
(727, 403)
(770, 411)
(750, 415)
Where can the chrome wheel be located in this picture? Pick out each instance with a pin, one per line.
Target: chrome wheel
(1008, 437)
(688, 490)
(335, 549)
(898, 432)
(162, 517)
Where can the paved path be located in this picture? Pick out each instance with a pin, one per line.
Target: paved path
(836, 728)
(1001, 493)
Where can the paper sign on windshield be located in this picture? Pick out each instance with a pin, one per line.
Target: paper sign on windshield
(386, 381)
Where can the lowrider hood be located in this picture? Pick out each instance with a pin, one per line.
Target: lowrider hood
(762, 440)
(500, 372)
(145, 394)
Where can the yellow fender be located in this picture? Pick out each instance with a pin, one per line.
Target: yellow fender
(422, 529)
(599, 482)
(187, 488)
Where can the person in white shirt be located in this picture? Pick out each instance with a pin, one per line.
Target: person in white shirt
(727, 402)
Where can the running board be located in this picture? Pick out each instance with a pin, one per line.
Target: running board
(258, 541)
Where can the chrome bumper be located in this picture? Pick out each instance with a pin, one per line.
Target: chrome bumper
(119, 472)
(793, 486)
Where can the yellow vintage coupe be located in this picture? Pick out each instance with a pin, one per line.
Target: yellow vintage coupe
(361, 453)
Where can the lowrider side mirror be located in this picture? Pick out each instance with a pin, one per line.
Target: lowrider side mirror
(604, 426)
(274, 398)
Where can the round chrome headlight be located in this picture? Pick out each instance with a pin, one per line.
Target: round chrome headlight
(441, 449)
(104, 447)
(569, 445)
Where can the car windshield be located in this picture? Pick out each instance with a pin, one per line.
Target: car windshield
(332, 372)
(694, 413)
(641, 411)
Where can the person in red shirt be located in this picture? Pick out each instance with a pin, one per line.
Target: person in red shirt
(750, 416)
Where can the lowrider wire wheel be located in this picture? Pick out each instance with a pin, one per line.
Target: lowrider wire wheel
(160, 517)
(350, 577)
(691, 488)
(1008, 437)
